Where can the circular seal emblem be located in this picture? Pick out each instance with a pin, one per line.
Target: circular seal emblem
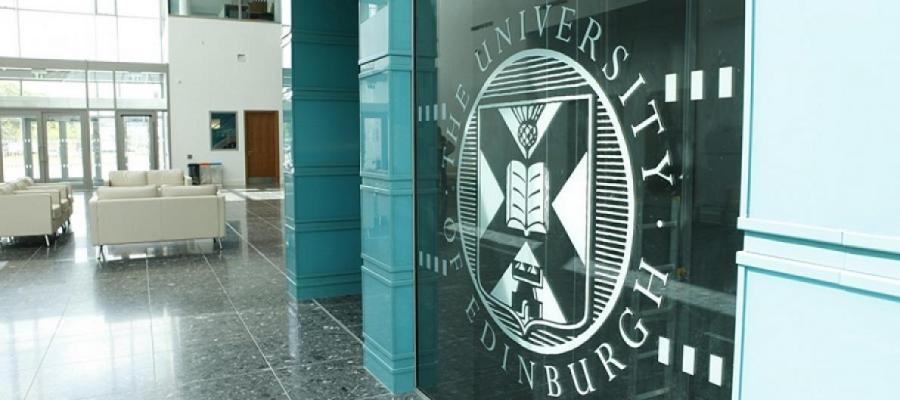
(546, 201)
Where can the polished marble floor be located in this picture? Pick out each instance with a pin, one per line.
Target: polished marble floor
(174, 320)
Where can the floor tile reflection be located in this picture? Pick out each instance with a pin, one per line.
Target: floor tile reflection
(177, 320)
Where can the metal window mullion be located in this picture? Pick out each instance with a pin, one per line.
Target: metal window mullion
(114, 82)
(2, 178)
(86, 172)
(154, 137)
(96, 146)
(28, 147)
(43, 163)
(120, 141)
(18, 36)
(63, 150)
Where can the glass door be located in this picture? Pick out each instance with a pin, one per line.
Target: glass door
(104, 145)
(19, 146)
(65, 151)
(138, 141)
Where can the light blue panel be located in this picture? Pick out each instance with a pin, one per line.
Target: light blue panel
(385, 226)
(386, 162)
(384, 29)
(389, 327)
(824, 141)
(809, 340)
(819, 294)
(385, 108)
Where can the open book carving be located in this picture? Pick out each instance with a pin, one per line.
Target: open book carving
(526, 190)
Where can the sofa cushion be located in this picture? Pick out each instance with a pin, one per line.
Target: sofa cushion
(133, 192)
(172, 177)
(22, 183)
(185, 191)
(7, 188)
(127, 178)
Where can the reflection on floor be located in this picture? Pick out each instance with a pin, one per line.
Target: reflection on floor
(174, 320)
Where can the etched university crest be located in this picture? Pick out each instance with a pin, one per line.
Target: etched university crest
(546, 201)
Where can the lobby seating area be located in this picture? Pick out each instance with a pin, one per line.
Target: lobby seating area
(155, 206)
(174, 320)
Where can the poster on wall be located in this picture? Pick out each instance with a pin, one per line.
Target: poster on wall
(223, 130)
(577, 189)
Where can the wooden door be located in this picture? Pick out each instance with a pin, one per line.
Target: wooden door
(261, 129)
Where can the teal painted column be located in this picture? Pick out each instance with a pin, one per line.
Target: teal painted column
(322, 219)
(386, 191)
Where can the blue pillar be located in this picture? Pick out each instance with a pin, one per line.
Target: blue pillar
(322, 217)
(819, 277)
(386, 191)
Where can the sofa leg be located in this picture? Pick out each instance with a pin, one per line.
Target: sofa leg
(47, 240)
(100, 255)
(219, 242)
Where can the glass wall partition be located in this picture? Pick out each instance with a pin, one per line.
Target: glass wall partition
(577, 188)
(257, 10)
(76, 121)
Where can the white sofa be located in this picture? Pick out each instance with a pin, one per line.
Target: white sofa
(150, 213)
(170, 177)
(32, 212)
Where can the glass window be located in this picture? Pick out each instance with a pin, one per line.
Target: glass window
(75, 30)
(270, 10)
(139, 8)
(55, 35)
(141, 90)
(7, 3)
(140, 40)
(76, 6)
(140, 85)
(106, 7)
(107, 46)
(10, 88)
(101, 91)
(9, 32)
(54, 83)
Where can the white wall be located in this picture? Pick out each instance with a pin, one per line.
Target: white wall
(205, 75)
